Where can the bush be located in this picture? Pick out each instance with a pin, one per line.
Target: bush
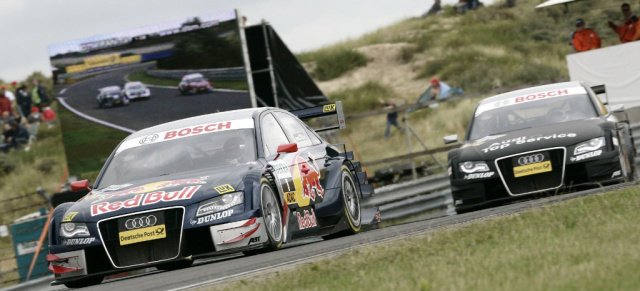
(333, 64)
(45, 165)
(8, 164)
(363, 98)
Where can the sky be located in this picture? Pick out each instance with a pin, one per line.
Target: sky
(29, 26)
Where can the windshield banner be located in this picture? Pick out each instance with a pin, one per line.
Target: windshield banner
(529, 98)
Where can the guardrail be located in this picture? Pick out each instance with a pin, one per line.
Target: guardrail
(430, 194)
(224, 74)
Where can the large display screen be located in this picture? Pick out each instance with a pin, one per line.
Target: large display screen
(117, 83)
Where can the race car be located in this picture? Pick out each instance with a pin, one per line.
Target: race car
(194, 83)
(238, 181)
(539, 141)
(135, 90)
(111, 96)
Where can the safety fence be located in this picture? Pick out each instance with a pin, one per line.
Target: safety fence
(224, 74)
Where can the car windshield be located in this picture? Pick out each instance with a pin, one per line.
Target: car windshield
(135, 87)
(208, 150)
(195, 80)
(501, 119)
(112, 92)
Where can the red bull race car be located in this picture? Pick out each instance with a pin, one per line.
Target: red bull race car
(237, 181)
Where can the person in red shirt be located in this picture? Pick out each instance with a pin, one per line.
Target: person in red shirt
(5, 103)
(585, 39)
(627, 30)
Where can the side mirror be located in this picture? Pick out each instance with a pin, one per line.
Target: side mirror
(80, 185)
(287, 148)
(451, 139)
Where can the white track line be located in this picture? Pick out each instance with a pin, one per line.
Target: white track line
(87, 117)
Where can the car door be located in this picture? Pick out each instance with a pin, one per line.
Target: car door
(307, 169)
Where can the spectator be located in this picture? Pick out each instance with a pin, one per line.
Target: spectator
(9, 95)
(585, 39)
(24, 100)
(627, 30)
(392, 116)
(15, 135)
(34, 116)
(17, 117)
(5, 104)
(435, 89)
(510, 3)
(435, 8)
(39, 95)
(7, 137)
(462, 6)
(6, 117)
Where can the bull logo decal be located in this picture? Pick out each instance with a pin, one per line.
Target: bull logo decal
(306, 177)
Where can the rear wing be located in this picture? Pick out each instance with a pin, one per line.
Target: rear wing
(323, 110)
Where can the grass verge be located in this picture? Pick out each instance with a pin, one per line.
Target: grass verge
(588, 243)
(143, 77)
(334, 63)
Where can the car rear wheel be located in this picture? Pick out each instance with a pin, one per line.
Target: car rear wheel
(85, 282)
(272, 215)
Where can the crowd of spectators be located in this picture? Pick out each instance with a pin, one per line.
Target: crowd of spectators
(22, 110)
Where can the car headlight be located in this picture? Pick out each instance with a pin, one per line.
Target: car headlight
(220, 203)
(472, 167)
(73, 229)
(589, 146)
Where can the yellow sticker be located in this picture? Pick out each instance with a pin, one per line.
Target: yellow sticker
(532, 169)
(143, 234)
(69, 216)
(226, 188)
(329, 108)
(290, 197)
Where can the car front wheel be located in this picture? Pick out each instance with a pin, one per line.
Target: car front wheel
(272, 215)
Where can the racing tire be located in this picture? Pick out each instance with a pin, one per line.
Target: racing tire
(351, 203)
(85, 282)
(272, 215)
(174, 265)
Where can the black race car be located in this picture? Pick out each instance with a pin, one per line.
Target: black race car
(539, 141)
(244, 180)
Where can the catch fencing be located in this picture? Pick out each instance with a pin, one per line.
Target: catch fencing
(224, 74)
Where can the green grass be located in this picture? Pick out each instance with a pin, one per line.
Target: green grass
(87, 143)
(143, 77)
(363, 98)
(584, 244)
(331, 64)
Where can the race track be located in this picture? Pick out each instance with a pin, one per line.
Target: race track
(212, 271)
(165, 104)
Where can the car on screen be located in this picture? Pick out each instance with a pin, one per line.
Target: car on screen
(540, 141)
(239, 181)
(194, 83)
(135, 90)
(111, 96)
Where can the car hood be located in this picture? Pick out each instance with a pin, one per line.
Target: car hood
(160, 192)
(530, 139)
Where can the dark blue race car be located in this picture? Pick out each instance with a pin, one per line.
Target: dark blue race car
(244, 180)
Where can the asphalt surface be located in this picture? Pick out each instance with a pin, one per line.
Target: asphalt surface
(164, 105)
(212, 271)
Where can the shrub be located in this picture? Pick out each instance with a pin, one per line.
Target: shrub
(363, 98)
(8, 164)
(45, 165)
(333, 64)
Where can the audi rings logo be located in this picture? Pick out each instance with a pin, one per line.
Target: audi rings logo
(532, 159)
(149, 139)
(140, 222)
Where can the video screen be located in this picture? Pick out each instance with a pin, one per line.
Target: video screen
(113, 84)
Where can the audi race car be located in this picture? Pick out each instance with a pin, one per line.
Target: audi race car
(194, 83)
(134, 90)
(244, 180)
(539, 141)
(111, 96)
